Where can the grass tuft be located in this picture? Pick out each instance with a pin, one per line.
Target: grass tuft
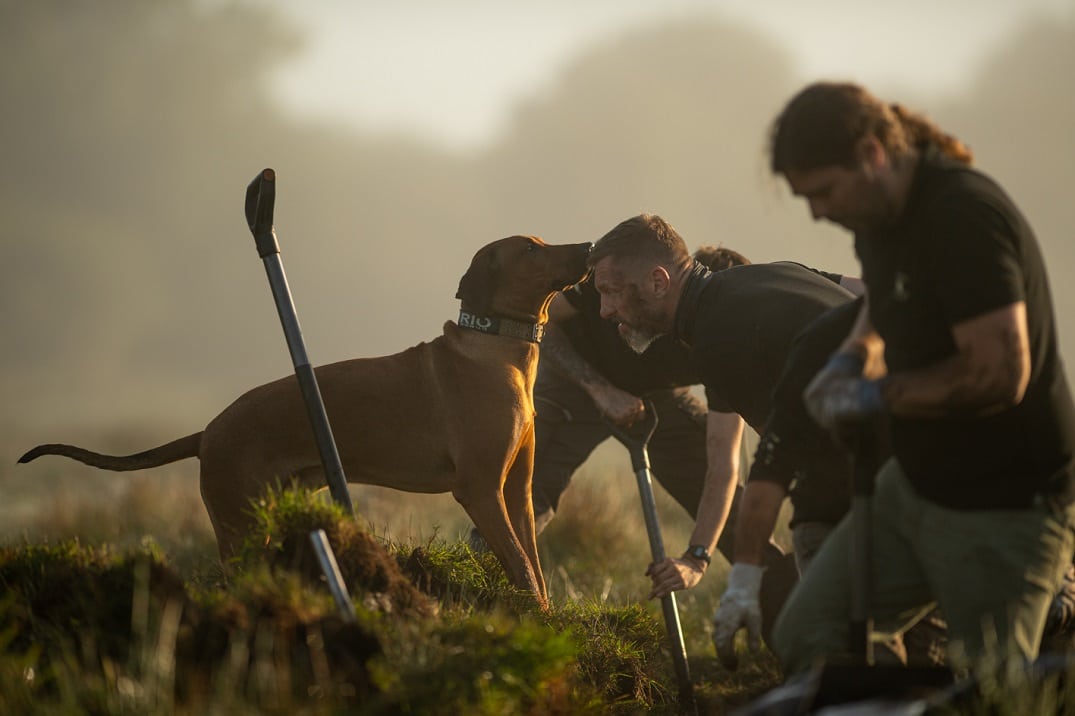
(623, 658)
(286, 516)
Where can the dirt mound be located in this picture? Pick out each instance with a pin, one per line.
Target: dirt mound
(87, 608)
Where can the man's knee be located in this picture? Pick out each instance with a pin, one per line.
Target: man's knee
(814, 621)
(802, 635)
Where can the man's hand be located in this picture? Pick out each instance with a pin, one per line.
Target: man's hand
(739, 608)
(671, 575)
(619, 407)
(839, 397)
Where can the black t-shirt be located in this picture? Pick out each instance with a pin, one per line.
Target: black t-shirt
(740, 324)
(795, 451)
(665, 364)
(962, 249)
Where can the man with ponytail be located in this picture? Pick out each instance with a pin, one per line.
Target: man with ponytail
(955, 350)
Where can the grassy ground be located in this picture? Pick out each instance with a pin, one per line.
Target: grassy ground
(112, 601)
(594, 555)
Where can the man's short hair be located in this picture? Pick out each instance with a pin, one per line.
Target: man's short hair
(718, 258)
(646, 236)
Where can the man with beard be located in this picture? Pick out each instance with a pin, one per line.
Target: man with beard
(956, 346)
(738, 325)
(590, 380)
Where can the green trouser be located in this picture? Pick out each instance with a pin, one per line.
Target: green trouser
(992, 572)
(923, 644)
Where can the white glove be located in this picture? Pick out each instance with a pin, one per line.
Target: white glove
(739, 608)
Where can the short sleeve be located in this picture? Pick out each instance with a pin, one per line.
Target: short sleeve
(717, 402)
(973, 256)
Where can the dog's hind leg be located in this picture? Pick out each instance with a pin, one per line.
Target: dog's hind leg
(520, 505)
(490, 515)
(229, 484)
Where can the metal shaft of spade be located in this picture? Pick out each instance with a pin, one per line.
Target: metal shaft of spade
(865, 463)
(636, 441)
(260, 199)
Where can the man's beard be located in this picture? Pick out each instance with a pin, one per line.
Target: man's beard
(646, 328)
(637, 340)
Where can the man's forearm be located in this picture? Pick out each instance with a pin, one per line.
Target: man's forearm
(947, 388)
(724, 435)
(759, 508)
(565, 360)
(713, 509)
(988, 373)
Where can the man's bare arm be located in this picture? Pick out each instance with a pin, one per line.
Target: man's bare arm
(759, 508)
(557, 348)
(988, 373)
(724, 433)
(619, 406)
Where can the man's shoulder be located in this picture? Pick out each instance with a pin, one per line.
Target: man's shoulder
(962, 205)
(952, 186)
(769, 303)
(775, 279)
(771, 268)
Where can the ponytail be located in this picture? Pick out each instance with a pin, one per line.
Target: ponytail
(921, 131)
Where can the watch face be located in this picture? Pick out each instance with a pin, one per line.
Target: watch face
(699, 552)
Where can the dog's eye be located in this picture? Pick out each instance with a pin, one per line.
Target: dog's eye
(531, 247)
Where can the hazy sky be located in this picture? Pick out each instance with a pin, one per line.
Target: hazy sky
(450, 71)
(108, 330)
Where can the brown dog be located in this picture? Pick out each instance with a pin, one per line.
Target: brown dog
(452, 415)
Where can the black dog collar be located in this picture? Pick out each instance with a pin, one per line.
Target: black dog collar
(532, 332)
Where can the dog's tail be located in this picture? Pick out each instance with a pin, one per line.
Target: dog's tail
(170, 452)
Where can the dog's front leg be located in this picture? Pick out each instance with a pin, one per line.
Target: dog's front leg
(488, 511)
(519, 502)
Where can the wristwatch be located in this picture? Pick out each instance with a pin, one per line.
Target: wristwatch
(698, 552)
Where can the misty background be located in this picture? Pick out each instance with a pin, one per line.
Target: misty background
(135, 306)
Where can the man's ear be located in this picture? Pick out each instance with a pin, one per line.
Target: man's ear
(660, 281)
(869, 151)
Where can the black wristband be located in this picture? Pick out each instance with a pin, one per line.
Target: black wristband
(698, 552)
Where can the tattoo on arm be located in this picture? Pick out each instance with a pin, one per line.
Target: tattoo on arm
(988, 374)
(566, 360)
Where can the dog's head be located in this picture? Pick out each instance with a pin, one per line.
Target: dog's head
(516, 277)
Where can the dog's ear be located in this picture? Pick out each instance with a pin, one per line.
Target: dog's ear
(476, 286)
